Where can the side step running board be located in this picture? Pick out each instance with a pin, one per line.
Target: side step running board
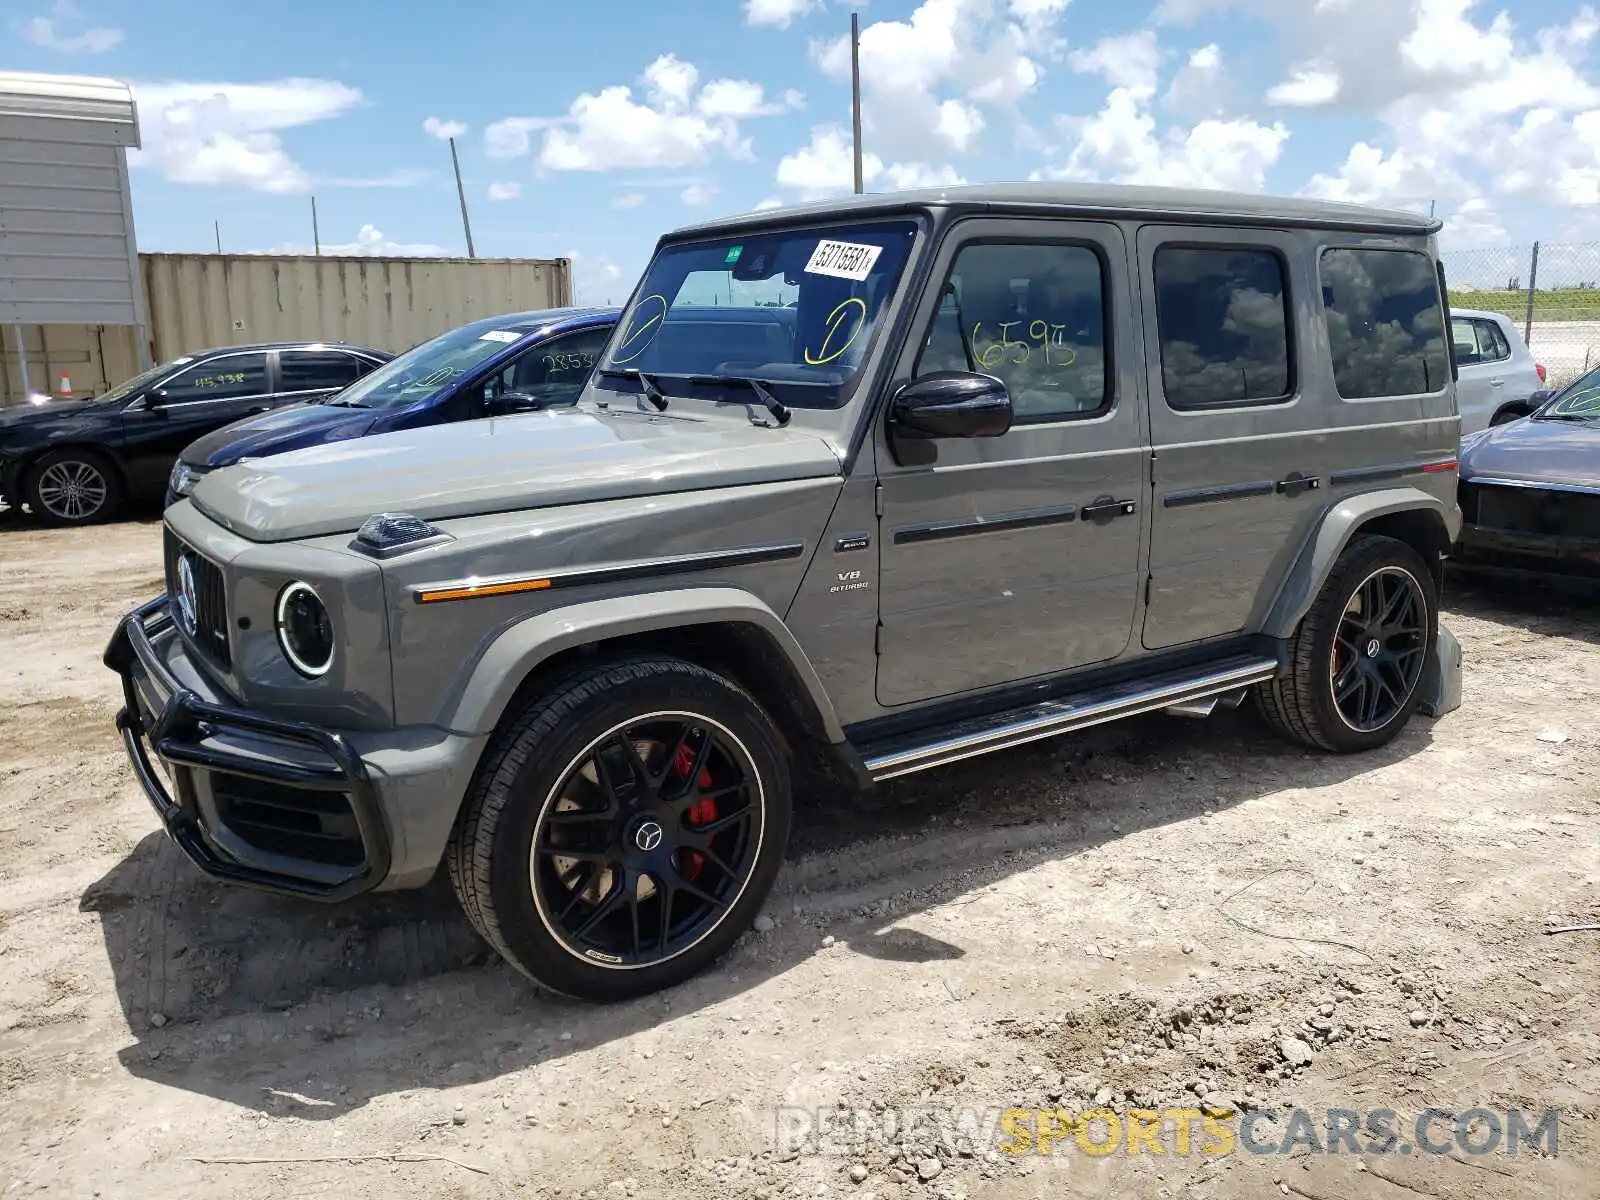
(1183, 690)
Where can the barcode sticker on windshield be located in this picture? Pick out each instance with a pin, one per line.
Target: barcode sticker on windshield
(498, 335)
(843, 260)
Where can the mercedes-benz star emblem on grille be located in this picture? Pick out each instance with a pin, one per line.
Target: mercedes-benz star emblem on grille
(648, 836)
(188, 607)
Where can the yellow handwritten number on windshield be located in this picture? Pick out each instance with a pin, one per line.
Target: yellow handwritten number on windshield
(836, 321)
(656, 306)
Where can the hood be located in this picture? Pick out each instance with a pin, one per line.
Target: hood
(16, 415)
(275, 432)
(1561, 452)
(503, 464)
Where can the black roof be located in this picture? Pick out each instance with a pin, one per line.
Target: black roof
(1091, 200)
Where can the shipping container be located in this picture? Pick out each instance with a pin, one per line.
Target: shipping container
(195, 301)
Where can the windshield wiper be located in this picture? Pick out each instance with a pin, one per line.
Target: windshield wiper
(767, 400)
(335, 402)
(647, 384)
(1575, 417)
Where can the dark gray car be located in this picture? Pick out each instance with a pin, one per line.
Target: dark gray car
(858, 489)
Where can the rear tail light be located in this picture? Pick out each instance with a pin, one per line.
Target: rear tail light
(1543, 374)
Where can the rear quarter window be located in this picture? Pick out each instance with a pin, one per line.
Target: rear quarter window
(1385, 322)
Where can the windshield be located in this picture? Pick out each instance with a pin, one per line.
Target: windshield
(144, 379)
(795, 309)
(1578, 401)
(424, 371)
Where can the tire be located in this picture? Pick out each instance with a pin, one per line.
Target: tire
(1507, 415)
(560, 769)
(1301, 704)
(73, 487)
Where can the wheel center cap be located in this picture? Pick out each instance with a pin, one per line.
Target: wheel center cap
(648, 836)
(1373, 646)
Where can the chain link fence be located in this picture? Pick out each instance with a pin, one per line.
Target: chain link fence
(1551, 292)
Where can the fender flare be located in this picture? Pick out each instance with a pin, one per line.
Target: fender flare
(1339, 524)
(477, 705)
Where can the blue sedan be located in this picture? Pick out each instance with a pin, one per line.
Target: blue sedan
(1530, 490)
(519, 362)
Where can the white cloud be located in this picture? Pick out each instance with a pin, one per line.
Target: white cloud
(1307, 87)
(1200, 87)
(675, 123)
(825, 167)
(630, 200)
(1130, 60)
(227, 133)
(505, 191)
(1473, 225)
(51, 33)
(370, 242)
(441, 129)
(976, 54)
(780, 13)
(768, 204)
(698, 195)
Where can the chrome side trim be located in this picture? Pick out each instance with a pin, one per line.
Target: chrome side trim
(1576, 489)
(1066, 716)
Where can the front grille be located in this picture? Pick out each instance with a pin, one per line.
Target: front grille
(317, 827)
(210, 598)
(1530, 510)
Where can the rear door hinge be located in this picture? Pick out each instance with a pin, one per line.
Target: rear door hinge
(877, 640)
(1149, 583)
(877, 499)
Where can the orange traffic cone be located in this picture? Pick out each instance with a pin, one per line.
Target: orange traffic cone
(65, 387)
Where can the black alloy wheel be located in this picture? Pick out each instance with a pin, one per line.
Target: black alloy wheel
(647, 841)
(1379, 649)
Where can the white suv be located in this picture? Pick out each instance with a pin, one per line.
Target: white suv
(1497, 374)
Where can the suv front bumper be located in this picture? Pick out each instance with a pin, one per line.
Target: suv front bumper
(285, 806)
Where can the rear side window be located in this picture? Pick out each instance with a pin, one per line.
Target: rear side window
(1223, 318)
(1385, 323)
(1475, 340)
(314, 370)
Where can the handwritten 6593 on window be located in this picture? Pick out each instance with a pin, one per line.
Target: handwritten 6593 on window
(1016, 342)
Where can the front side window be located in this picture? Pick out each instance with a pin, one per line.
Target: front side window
(1385, 323)
(554, 371)
(795, 309)
(226, 378)
(1223, 318)
(1033, 316)
(315, 370)
(1477, 341)
(425, 371)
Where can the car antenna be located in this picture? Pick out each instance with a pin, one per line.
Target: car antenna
(652, 391)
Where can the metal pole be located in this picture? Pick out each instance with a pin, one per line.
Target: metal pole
(855, 95)
(461, 193)
(217, 225)
(316, 235)
(1431, 204)
(1533, 279)
(22, 361)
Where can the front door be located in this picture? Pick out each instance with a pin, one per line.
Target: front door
(1009, 558)
(203, 396)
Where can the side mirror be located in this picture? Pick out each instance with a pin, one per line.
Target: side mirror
(508, 404)
(952, 404)
(156, 399)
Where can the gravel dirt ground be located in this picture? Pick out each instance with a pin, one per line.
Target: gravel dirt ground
(1163, 911)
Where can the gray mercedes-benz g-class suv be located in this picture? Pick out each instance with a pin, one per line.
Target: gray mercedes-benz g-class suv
(858, 488)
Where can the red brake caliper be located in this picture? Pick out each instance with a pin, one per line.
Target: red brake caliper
(702, 812)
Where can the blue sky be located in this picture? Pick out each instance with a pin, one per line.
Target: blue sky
(587, 130)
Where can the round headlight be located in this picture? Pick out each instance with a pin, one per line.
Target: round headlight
(304, 629)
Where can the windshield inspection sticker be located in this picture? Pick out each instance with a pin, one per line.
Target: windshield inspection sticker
(843, 260)
(499, 335)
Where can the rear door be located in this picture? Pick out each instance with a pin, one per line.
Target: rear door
(1482, 357)
(1234, 432)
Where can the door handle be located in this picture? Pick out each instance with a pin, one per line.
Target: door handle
(1105, 508)
(1497, 383)
(1295, 483)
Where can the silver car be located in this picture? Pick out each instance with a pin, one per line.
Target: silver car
(1497, 375)
(858, 489)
